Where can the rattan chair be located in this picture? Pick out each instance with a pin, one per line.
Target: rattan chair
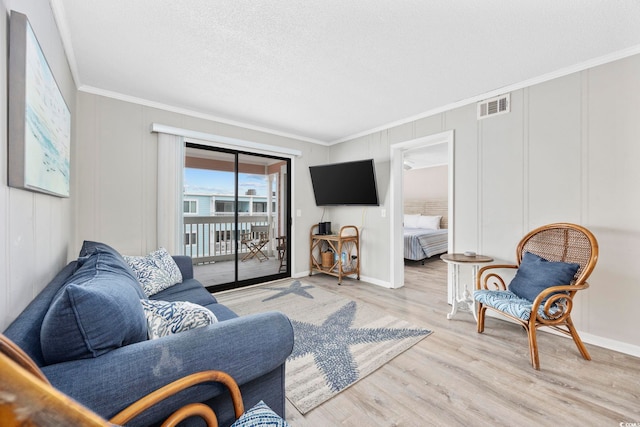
(561, 242)
(30, 400)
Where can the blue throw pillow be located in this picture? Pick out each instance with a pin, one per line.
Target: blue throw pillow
(536, 274)
(96, 311)
(110, 260)
(260, 416)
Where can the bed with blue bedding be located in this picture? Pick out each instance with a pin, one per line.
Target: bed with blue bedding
(421, 243)
(426, 226)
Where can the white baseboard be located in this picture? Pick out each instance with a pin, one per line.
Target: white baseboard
(370, 280)
(619, 346)
(609, 344)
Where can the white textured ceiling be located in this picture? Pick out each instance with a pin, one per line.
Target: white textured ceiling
(325, 70)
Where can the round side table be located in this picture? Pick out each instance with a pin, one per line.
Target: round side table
(466, 302)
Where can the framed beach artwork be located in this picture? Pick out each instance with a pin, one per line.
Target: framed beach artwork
(39, 118)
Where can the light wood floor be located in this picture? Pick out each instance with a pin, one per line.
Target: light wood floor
(457, 377)
(224, 271)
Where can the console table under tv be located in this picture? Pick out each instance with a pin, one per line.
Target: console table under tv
(335, 254)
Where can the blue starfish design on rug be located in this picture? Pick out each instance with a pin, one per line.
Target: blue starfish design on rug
(294, 288)
(330, 344)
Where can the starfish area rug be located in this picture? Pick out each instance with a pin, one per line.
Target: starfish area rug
(337, 341)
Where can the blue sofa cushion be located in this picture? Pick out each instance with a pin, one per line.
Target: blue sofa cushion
(189, 290)
(166, 318)
(221, 311)
(536, 274)
(97, 310)
(260, 416)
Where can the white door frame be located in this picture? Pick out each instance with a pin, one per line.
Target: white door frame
(396, 195)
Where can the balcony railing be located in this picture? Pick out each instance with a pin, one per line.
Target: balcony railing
(215, 238)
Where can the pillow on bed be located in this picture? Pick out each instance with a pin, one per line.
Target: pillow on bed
(411, 221)
(430, 222)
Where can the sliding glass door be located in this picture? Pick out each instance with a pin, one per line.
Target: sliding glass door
(236, 216)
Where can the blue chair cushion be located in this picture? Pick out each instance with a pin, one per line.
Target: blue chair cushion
(260, 416)
(510, 303)
(97, 310)
(536, 274)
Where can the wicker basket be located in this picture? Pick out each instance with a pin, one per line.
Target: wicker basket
(327, 259)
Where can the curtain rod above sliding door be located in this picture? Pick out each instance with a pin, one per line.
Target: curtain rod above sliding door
(203, 136)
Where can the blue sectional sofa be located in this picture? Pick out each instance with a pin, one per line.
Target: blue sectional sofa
(117, 365)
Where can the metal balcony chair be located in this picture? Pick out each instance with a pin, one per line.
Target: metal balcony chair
(553, 263)
(255, 241)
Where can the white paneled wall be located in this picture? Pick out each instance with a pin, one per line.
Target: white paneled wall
(117, 173)
(568, 151)
(36, 228)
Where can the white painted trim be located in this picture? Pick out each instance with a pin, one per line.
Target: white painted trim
(609, 344)
(622, 347)
(191, 113)
(60, 16)
(230, 142)
(65, 35)
(396, 196)
(605, 59)
(366, 279)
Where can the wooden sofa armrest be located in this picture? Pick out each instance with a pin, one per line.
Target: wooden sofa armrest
(187, 411)
(485, 277)
(30, 397)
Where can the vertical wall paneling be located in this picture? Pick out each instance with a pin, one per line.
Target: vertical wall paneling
(567, 152)
(613, 203)
(467, 177)
(36, 228)
(584, 299)
(554, 152)
(501, 179)
(5, 225)
(526, 149)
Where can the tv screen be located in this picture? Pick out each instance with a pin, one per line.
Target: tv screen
(348, 183)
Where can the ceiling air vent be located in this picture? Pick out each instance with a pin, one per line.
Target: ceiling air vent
(494, 106)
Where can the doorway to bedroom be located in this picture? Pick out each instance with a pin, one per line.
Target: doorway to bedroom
(422, 198)
(425, 203)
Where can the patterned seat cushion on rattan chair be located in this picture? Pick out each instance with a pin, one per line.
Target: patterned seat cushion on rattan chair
(510, 303)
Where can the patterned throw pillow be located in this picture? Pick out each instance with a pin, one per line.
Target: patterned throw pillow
(167, 263)
(259, 416)
(152, 278)
(166, 318)
(156, 271)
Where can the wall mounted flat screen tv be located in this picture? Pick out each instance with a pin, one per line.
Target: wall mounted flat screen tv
(348, 183)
